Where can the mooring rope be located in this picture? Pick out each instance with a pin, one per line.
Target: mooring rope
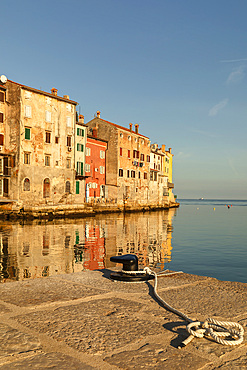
(214, 329)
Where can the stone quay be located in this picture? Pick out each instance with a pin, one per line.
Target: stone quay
(86, 321)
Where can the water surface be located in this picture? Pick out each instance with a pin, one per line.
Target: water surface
(202, 237)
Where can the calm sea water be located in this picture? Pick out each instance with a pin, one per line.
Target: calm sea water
(211, 239)
(202, 237)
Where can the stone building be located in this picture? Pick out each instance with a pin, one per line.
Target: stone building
(127, 162)
(37, 151)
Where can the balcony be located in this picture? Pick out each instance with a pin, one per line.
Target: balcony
(170, 185)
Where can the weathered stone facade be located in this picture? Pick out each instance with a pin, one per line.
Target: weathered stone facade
(127, 162)
(39, 133)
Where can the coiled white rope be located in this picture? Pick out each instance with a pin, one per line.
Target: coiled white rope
(233, 332)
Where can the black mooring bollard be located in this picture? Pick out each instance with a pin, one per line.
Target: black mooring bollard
(130, 263)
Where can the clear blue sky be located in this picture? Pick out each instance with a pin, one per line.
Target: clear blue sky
(176, 67)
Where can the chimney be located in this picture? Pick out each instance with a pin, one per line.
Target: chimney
(170, 150)
(98, 114)
(66, 97)
(54, 91)
(81, 118)
(136, 128)
(163, 148)
(95, 132)
(130, 126)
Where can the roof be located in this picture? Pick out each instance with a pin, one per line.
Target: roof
(44, 93)
(96, 138)
(120, 127)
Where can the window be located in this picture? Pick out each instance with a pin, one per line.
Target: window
(2, 96)
(69, 107)
(67, 187)
(120, 172)
(79, 168)
(68, 121)
(47, 137)
(69, 141)
(1, 117)
(80, 148)
(80, 132)
(47, 160)
(135, 153)
(77, 187)
(1, 166)
(129, 138)
(121, 151)
(27, 133)
(56, 139)
(46, 188)
(121, 134)
(145, 175)
(88, 152)
(26, 184)
(128, 173)
(133, 174)
(148, 158)
(1, 139)
(101, 169)
(87, 167)
(28, 111)
(28, 94)
(142, 157)
(102, 154)
(139, 174)
(68, 163)
(27, 158)
(57, 163)
(48, 116)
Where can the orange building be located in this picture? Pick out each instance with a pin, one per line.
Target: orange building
(95, 168)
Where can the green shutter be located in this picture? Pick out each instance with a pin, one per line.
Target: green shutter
(77, 187)
(78, 131)
(81, 168)
(82, 133)
(27, 133)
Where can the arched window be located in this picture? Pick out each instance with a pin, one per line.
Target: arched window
(46, 188)
(26, 184)
(67, 187)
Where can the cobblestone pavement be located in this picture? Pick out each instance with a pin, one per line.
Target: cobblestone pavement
(86, 321)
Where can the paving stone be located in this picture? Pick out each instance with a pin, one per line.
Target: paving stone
(3, 309)
(93, 277)
(94, 326)
(13, 341)
(157, 356)
(47, 361)
(214, 300)
(236, 364)
(35, 292)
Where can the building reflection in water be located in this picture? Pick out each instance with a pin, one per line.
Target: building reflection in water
(39, 249)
